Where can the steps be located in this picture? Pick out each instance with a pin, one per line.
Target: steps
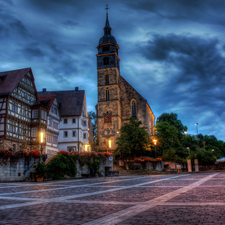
(49, 159)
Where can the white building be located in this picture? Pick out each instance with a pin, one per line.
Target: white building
(53, 120)
(73, 127)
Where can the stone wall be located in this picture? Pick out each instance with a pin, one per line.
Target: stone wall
(20, 170)
(158, 166)
(17, 171)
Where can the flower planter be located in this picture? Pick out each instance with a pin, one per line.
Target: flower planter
(39, 179)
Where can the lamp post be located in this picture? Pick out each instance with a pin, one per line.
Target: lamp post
(196, 128)
(188, 150)
(185, 132)
(155, 142)
(110, 145)
(41, 140)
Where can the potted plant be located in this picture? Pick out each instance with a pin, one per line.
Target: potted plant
(40, 171)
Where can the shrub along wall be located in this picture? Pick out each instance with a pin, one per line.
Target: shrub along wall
(17, 167)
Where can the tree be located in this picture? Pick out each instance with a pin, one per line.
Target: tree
(204, 157)
(170, 133)
(171, 118)
(93, 117)
(133, 139)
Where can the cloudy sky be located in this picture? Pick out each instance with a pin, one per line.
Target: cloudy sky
(171, 51)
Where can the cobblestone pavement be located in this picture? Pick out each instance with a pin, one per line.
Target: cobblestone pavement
(161, 199)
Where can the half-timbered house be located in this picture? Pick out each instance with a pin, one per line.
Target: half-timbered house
(53, 119)
(22, 117)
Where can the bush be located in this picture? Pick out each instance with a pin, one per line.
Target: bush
(21, 153)
(40, 169)
(5, 153)
(204, 157)
(63, 152)
(35, 153)
(61, 165)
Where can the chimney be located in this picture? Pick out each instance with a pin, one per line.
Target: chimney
(76, 89)
(44, 89)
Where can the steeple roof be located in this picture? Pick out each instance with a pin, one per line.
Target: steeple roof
(107, 38)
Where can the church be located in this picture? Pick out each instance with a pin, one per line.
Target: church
(117, 99)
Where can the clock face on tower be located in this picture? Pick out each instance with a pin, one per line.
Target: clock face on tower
(108, 118)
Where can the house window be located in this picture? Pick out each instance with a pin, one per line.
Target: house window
(49, 138)
(14, 107)
(35, 114)
(55, 111)
(74, 120)
(107, 94)
(106, 61)
(85, 123)
(133, 108)
(85, 135)
(43, 115)
(107, 79)
(74, 133)
(54, 139)
(33, 132)
(55, 125)
(71, 148)
(65, 121)
(65, 134)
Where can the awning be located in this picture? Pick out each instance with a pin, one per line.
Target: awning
(221, 160)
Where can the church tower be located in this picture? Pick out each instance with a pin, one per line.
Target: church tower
(108, 107)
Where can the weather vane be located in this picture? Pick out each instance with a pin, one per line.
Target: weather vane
(107, 8)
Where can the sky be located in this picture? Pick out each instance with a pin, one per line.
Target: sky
(172, 51)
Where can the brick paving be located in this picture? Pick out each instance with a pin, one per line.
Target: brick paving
(159, 199)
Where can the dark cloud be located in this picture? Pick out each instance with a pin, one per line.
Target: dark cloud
(171, 51)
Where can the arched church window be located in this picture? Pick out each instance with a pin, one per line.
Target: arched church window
(107, 94)
(133, 108)
(106, 61)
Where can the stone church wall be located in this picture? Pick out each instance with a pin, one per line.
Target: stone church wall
(127, 94)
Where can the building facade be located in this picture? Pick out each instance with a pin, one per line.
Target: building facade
(117, 99)
(74, 123)
(53, 120)
(22, 117)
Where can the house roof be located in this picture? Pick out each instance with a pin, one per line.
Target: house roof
(10, 80)
(47, 100)
(70, 102)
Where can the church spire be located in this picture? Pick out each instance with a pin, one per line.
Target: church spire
(107, 28)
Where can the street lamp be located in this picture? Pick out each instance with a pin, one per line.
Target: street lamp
(188, 150)
(155, 142)
(41, 140)
(110, 145)
(185, 132)
(196, 127)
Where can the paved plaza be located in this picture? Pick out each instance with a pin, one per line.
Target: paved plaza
(157, 199)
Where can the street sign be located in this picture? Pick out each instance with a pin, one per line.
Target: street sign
(110, 158)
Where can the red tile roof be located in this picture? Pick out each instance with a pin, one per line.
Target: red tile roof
(47, 100)
(70, 102)
(10, 80)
